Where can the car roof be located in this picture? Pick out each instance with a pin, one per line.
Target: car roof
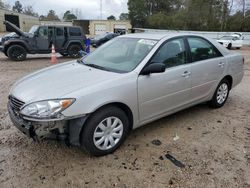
(157, 35)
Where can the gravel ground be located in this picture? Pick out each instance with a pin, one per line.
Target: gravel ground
(213, 146)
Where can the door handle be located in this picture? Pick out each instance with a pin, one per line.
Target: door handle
(221, 64)
(186, 74)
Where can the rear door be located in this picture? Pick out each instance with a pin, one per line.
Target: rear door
(59, 37)
(207, 67)
(161, 92)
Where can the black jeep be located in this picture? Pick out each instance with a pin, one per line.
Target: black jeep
(68, 40)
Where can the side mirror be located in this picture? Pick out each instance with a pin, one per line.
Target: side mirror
(153, 68)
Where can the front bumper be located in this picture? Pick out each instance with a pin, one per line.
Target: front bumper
(68, 131)
(37, 130)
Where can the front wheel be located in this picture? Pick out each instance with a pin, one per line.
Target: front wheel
(229, 46)
(220, 95)
(17, 53)
(105, 131)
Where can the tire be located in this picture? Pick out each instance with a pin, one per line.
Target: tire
(74, 50)
(17, 53)
(220, 95)
(229, 46)
(238, 48)
(97, 124)
(64, 54)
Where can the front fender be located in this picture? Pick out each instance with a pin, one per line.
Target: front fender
(75, 128)
(15, 42)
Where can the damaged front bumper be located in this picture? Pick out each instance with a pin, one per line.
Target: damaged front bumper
(65, 130)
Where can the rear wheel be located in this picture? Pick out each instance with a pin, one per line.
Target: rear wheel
(74, 50)
(64, 54)
(105, 131)
(221, 94)
(17, 53)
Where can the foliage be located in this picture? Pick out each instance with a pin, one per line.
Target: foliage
(51, 16)
(68, 16)
(123, 16)
(209, 15)
(18, 7)
(111, 17)
(29, 11)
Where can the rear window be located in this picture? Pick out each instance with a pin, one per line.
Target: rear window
(74, 31)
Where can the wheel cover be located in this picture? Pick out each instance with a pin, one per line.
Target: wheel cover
(18, 53)
(222, 93)
(75, 51)
(108, 133)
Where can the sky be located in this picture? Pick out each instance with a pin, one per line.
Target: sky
(90, 9)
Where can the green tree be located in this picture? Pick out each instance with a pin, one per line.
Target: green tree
(111, 17)
(123, 16)
(18, 7)
(68, 16)
(51, 16)
(137, 12)
(1, 4)
(30, 11)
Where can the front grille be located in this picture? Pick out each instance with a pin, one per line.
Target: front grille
(15, 103)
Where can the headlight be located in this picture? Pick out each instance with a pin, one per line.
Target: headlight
(46, 109)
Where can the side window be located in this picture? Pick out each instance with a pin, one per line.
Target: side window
(59, 31)
(75, 31)
(43, 32)
(172, 53)
(201, 49)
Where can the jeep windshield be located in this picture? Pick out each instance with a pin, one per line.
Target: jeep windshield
(33, 29)
(120, 54)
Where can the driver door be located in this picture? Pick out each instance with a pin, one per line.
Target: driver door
(160, 93)
(42, 41)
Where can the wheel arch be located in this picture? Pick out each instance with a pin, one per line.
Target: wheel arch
(76, 126)
(229, 78)
(123, 107)
(16, 43)
(76, 43)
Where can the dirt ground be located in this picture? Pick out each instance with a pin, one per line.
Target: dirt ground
(214, 146)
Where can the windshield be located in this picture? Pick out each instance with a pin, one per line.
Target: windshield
(33, 29)
(227, 38)
(120, 54)
(101, 36)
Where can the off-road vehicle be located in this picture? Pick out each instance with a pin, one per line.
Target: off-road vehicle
(68, 40)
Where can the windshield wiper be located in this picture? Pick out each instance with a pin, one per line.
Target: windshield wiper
(95, 66)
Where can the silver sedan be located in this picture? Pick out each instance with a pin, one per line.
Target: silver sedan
(126, 83)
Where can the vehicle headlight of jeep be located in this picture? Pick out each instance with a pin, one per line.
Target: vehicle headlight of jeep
(50, 109)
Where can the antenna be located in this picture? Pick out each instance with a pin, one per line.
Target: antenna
(101, 9)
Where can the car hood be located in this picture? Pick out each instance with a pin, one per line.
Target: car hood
(15, 28)
(57, 81)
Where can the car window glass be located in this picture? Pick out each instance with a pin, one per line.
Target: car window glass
(201, 49)
(51, 32)
(172, 53)
(74, 31)
(59, 31)
(43, 32)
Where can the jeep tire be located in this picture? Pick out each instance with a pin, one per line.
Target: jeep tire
(74, 50)
(17, 53)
